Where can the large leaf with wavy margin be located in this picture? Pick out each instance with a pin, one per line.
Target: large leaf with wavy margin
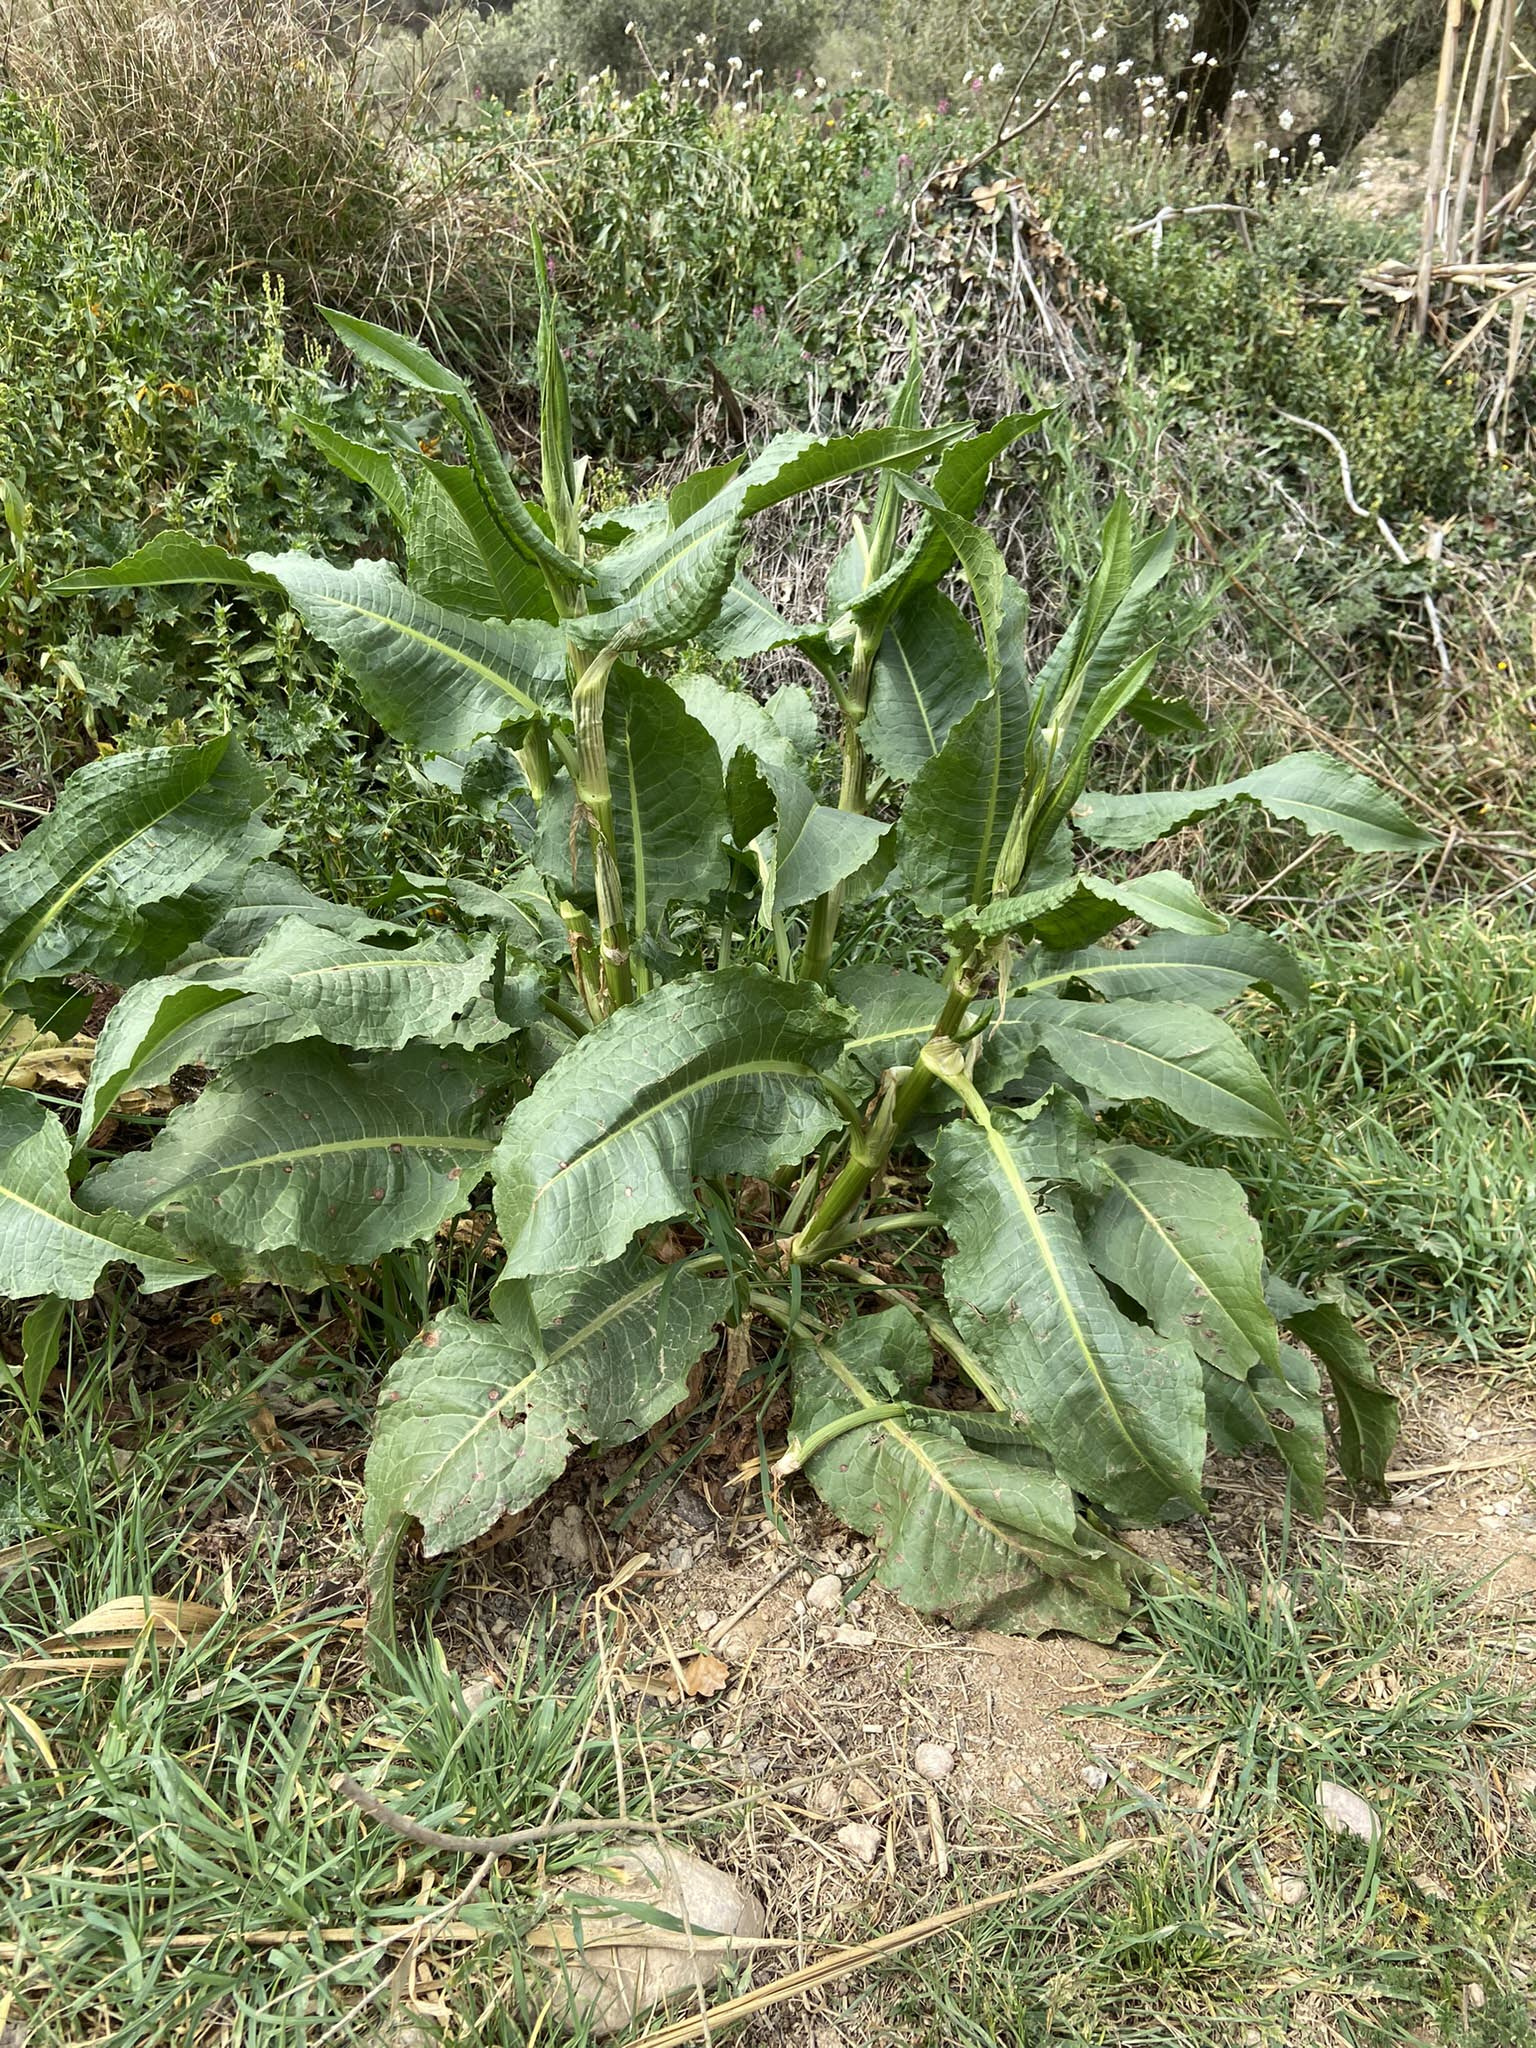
(1179, 1239)
(434, 679)
(1127, 1051)
(1119, 1409)
(1210, 972)
(49, 1245)
(300, 1149)
(928, 674)
(957, 811)
(478, 1417)
(300, 983)
(135, 861)
(988, 1541)
(716, 1073)
(1314, 790)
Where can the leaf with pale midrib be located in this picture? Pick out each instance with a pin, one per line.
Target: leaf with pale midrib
(982, 1539)
(1314, 790)
(299, 1149)
(1163, 1052)
(1119, 1409)
(1175, 967)
(1179, 1240)
(120, 877)
(477, 1418)
(48, 1244)
(299, 983)
(715, 1073)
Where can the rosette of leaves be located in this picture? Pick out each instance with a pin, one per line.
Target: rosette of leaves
(657, 1014)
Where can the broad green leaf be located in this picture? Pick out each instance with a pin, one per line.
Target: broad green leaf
(1103, 638)
(112, 882)
(748, 624)
(802, 847)
(418, 368)
(665, 588)
(1316, 791)
(928, 674)
(458, 556)
(54, 1006)
(434, 679)
(375, 468)
(301, 982)
(1119, 1409)
(712, 1074)
(170, 558)
(986, 1541)
(475, 1419)
(895, 1014)
(696, 491)
(300, 1149)
(520, 907)
(1240, 1415)
(810, 847)
(1366, 1414)
(268, 893)
(957, 811)
(1208, 972)
(1083, 908)
(959, 482)
(669, 814)
(1126, 1051)
(1179, 1240)
(1165, 715)
(49, 1245)
(42, 1334)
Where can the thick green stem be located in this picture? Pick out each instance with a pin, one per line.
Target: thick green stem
(852, 795)
(852, 1183)
(802, 1450)
(596, 799)
(533, 759)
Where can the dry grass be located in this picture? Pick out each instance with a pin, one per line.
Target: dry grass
(249, 137)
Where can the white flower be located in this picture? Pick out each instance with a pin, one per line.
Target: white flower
(1178, 22)
(1155, 80)
(753, 26)
(821, 85)
(593, 80)
(733, 63)
(1314, 142)
(1111, 134)
(799, 92)
(1198, 57)
(855, 75)
(1181, 95)
(1099, 34)
(995, 73)
(739, 107)
(1085, 99)
(1095, 72)
(1241, 93)
(1287, 119)
(629, 28)
(663, 76)
(1274, 154)
(700, 40)
(1064, 55)
(1122, 67)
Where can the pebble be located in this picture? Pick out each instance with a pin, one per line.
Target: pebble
(826, 1799)
(700, 1739)
(706, 1617)
(1094, 1776)
(1292, 1890)
(825, 1595)
(861, 1840)
(862, 1794)
(847, 1637)
(931, 1760)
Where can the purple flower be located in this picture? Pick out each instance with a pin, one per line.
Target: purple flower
(759, 315)
(904, 162)
(975, 85)
(943, 106)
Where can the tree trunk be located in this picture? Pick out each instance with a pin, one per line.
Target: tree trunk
(1221, 32)
(1361, 99)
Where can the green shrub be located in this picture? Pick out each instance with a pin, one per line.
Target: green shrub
(652, 1024)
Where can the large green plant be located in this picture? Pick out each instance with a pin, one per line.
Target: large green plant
(651, 1023)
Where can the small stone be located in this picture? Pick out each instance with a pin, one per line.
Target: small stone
(706, 1617)
(1293, 1890)
(477, 1693)
(1346, 1812)
(759, 1763)
(847, 1637)
(825, 1595)
(826, 1799)
(1094, 1776)
(861, 1841)
(931, 1760)
(679, 1557)
(1475, 1996)
(700, 1739)
(865, 1796)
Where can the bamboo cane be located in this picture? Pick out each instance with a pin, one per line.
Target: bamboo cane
(1434, 183)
